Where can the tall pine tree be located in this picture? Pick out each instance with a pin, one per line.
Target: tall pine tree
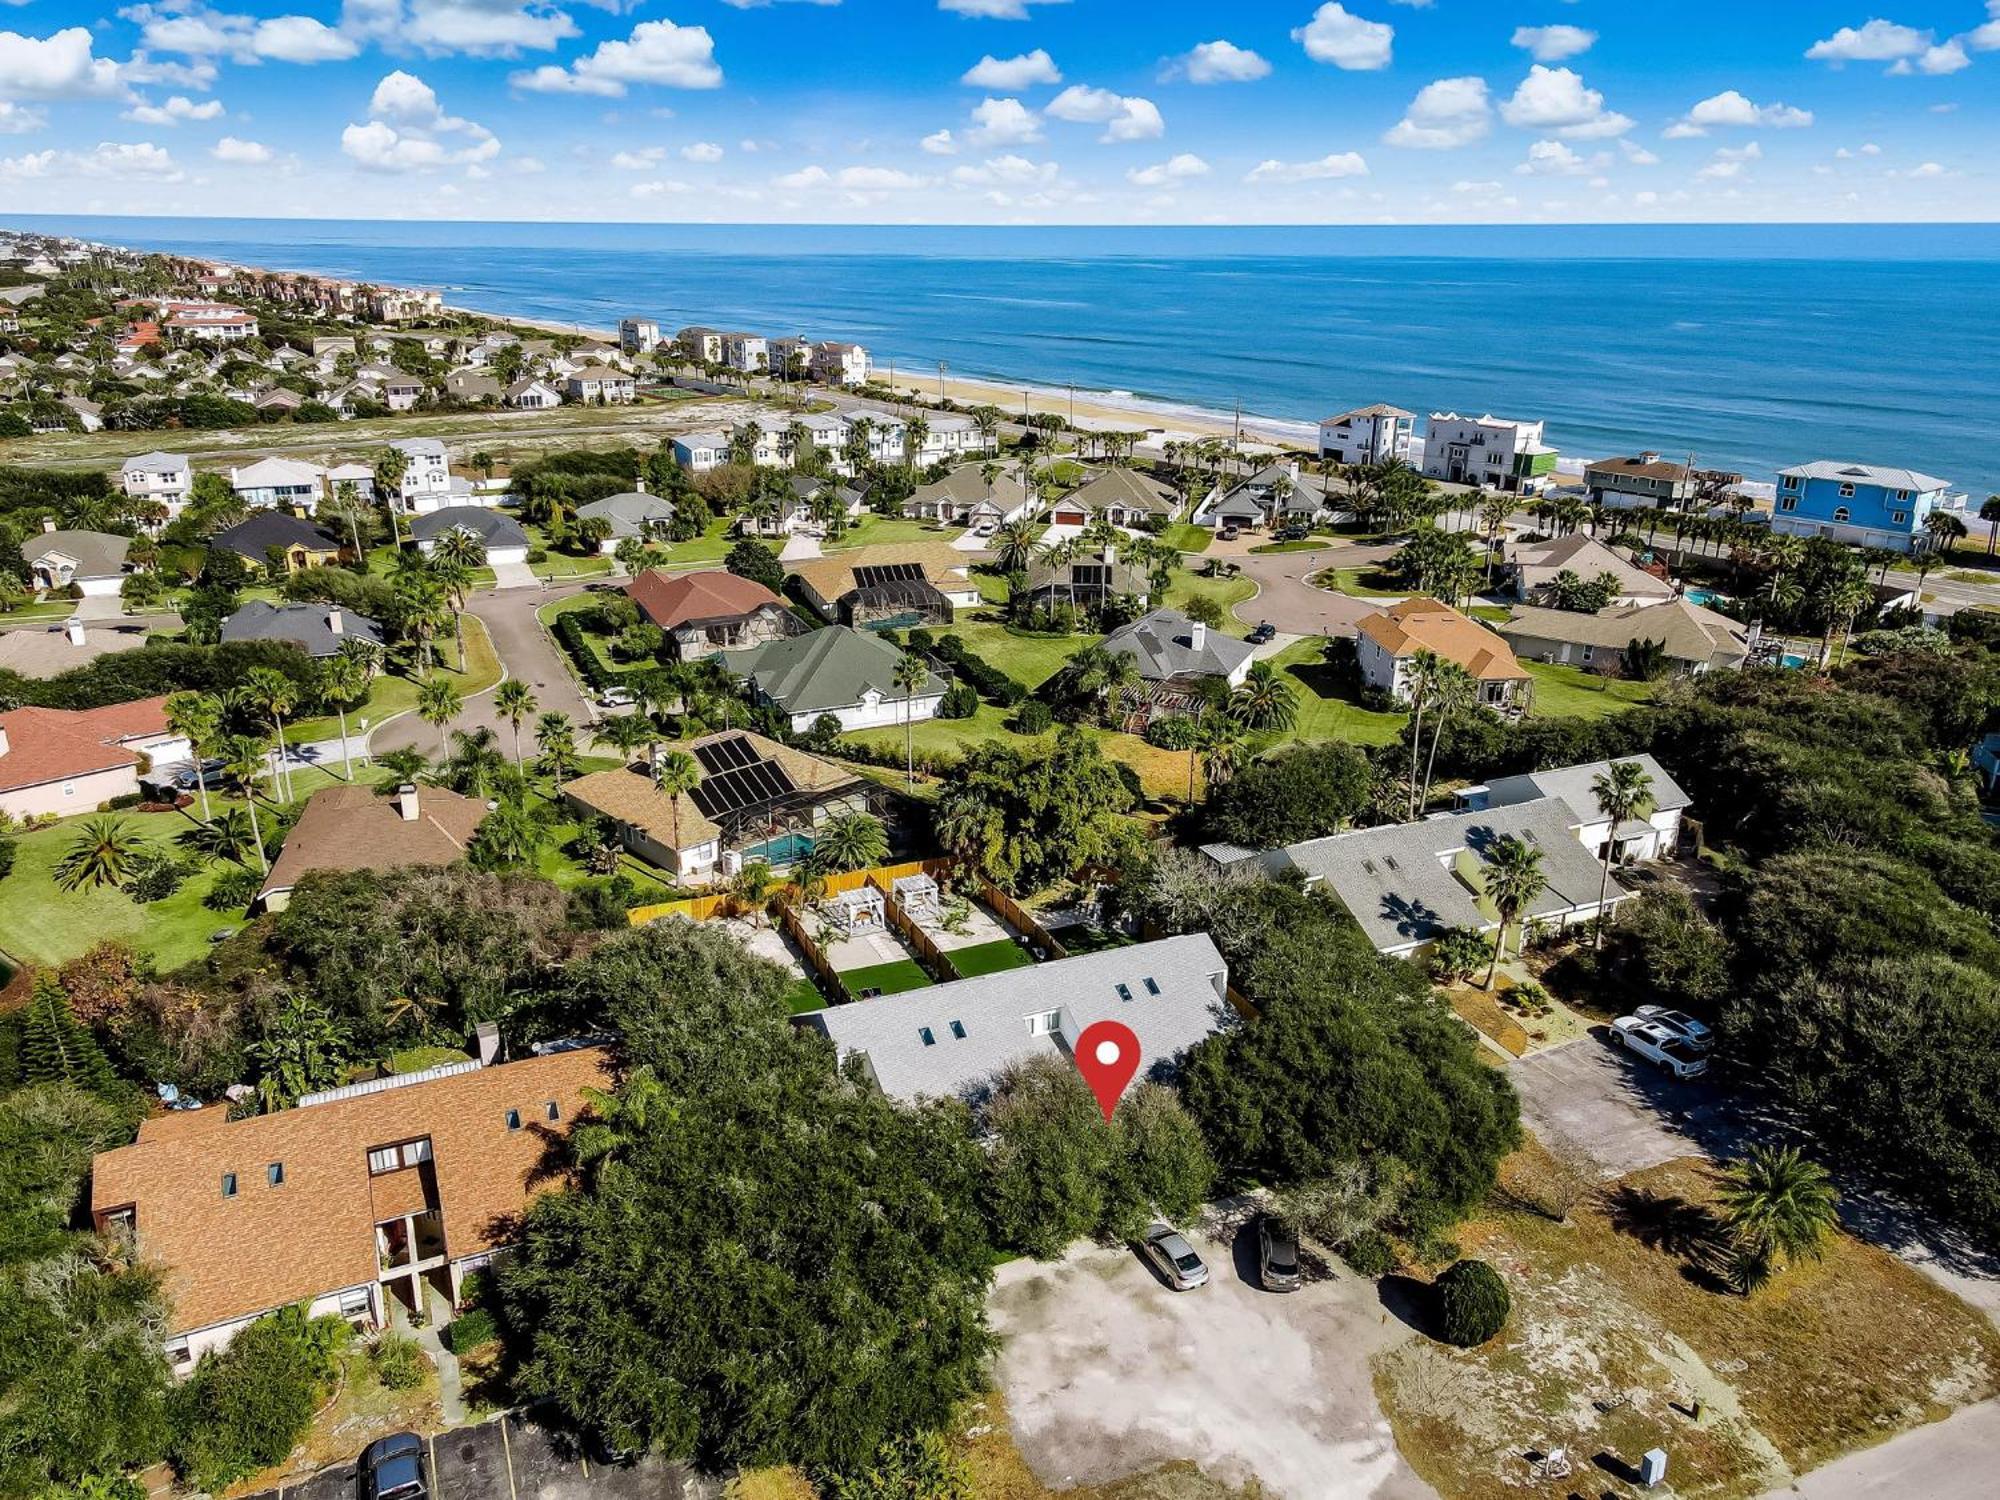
(56, 1047)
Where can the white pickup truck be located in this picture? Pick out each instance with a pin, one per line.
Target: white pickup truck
(1660, 1045)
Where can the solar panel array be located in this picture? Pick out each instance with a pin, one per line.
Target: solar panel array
(875, 575)
(736, 777)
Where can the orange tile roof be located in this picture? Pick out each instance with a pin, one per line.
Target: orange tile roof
(677, 599)
(49, 744)
(230, 1258)
(1423, 624)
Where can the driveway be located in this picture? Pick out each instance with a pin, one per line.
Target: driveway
(1294, 606)
(511, 1459)
(1107, 1373)
(1625, 1115)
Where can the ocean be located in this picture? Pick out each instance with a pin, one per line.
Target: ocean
(1751, 347)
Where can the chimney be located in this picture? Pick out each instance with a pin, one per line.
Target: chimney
(48, 523)
(1198, 636)
(73, 628)
(639, 485)
(336, 621)
(1110, 555)
(406, 802)
(3, 739)
(1649, 458)
(486, 1042)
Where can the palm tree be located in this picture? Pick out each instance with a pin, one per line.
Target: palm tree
(1847, 601)
(343, 681)
(1513, 879)
(1265, 700)
(246, 759)
(910, 674)
(101, 854)
(675, 774)
(852, 841)
(514, 701)
(390, 465)
(275, 694)
(627, 734)
(438, 703)
(1013, 547)
(421, 603)
(1221, 753)
(1453, 690)
(1420, 681)
(1778, 1206)
(555, 738)
(197, 718)
(752, 887)
(1989, 512)
(347, 505)
(1492, 510)
(1624, 791)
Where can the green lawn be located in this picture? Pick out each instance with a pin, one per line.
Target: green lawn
(1492, 614)
(887, 531)
(1163, 773)
(1570, 692)
(393, 693)
(890, 978)
(1366, 583)
(1227, 592)
(989, 958)
(1027, 658)
(710, 547)
(1299, 546)
(1188, 537)
(803, 996)
(1325, 712)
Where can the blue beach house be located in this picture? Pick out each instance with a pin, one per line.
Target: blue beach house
(1864, 504)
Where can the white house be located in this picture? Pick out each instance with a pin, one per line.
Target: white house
(638, 335)
(162, 478)
(951, 437)
(601, 385)
(698, 452)
(839, 364)
(532, 395)
(428, 483)
(1489, 451)
(748, 352)
(702, 345)
(278, 484)
(91, 562)
(1368, 435)
(839, 671)
(1638, 840)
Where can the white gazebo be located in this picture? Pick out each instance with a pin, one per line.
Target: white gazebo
(858, 910)
(918, 896)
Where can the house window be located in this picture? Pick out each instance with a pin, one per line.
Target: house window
(383, 1159)
(355, 1304)
(1840, 513)
(1847, 492)
(178, 1352)
(416, 1151)
(513, 1119)
(274, 1174)
(1125, 992)
(958, 1030)
(552, 1111)
(1044, 1023)
(1902, 494)
(229, 1184)
(1900, 517)
(929, 1036)
(1791, 482)
(1790, 502)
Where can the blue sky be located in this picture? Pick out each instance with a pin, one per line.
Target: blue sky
(1003, 111)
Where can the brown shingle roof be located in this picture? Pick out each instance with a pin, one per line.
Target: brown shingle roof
(673, 599)
(354, 828)
(48, 744)
(833, 577)
(229, 1258)
(1423, 624)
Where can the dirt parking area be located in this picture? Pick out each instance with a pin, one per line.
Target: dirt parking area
(1107, 1373)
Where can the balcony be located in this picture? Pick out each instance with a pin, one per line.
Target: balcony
(409, 1243)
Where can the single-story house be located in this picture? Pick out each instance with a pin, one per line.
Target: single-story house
(698, 452)
(1274, 495)
(1532, 567)
(1124, 497)
(1696, 639)
(889, 587)
(756, 801)
(1087, 582)
(848, 673)
(91, 561)
(1638, 840)
(278, 484)
(66, 761)
(319, 630)
(1408, 884)
(502, 537)
(50, 652)
(296, 543)
(472, 385)
(955, 1040)
(711, 610)
(356, 828)
(632, 516)
(1170, 648)
(1388, 640)
(798, 508)
(964, 498)
(392, 1189)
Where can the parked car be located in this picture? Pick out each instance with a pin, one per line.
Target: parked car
(1277, 1255)
(1231, 532)
(617, 697)
(392, 1468)
(1293, 533)
(1659, 1045)
(1264, 632)
(986, 528)
(1695, 1033)
(1175, 1258)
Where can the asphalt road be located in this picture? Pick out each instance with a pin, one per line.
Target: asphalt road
(1293, 605)
(1949, 1460)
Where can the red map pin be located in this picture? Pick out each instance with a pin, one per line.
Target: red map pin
(1107, 1055)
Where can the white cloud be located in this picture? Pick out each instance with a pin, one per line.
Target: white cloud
(993, 10)
(939, 143)
(1554, 43)
(190, 28)
(1340, 164)
(1012, 170)
(659, 186)
(1868, 148)
(1022, 72)
(805, 177)
(1335, 35)
(17, 119)
(1732, 108)
(58, 66)
(478, 28)
(126, 159)
(1557, 99)
(1877, 41)
(301, 39)
(879, 179)
(1929, 169)
(1729, 161)
(405, 97)
(1638, 155)
(705, 153)
(34, 164)
(1939, 61)
(1986, 38)
(1218, 62)
(1468, 186)
(642, 160)
(1124, 117)
(1555, 159)
(1174, 169)
(1003, 122)
(410, 144)
(175, 110)
(658, 53)
(1448, 113)
(240, 152)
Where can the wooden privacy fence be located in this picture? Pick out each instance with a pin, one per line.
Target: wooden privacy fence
(934, 959)
(830, 983)
(723, 904)
(1023, 920)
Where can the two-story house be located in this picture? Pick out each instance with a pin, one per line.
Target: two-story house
(839, 364)
(162, 478)
(1866, 505)
(1368, 435)
(1492, 452)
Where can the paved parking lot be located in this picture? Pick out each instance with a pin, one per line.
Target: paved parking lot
(1107, 1373)
(509, 1459)
(1625, 1113)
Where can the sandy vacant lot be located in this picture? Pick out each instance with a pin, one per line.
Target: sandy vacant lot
(1106, 1372)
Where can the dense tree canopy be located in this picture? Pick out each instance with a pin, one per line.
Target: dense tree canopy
(1302, 793)
(1027, 818)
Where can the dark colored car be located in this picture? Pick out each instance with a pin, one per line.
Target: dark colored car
(1277, 1255)
(1264, 632)
(1294, 534)
(392, 1468)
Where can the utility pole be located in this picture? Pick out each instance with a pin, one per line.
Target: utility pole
(1072, 403)
(941, 370)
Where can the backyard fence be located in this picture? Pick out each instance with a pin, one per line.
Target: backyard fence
(1023, 920)
(723, 904)
(935, 961)
(830, 983)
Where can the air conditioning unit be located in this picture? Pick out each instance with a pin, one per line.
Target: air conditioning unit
(732, 862)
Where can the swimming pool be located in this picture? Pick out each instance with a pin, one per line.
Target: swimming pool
(1701, 596)
(787, 849)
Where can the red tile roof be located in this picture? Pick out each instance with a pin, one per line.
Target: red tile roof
(49, 744)
(1423, 624)
(672, 599)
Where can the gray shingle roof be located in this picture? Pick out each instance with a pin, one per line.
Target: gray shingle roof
(1163, 645)
(825, 669)
(492, 528)
(1399, 881)
(97, 554)
(1884, 475)
(993, 1010)
(308, 625)
(1571, 785)
(628, 513)
(274, 528)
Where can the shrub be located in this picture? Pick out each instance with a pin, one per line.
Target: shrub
(1172, 732)
(1472, 1303)
(537, 555)
(1459, 954)
(243, 1409)
(1033, 717)
(470, 1330)
(989, 680)
(918, 1467)
(234, 890)
(398, 1362)
(155, 874)
(1370, 1253)
(961, 701)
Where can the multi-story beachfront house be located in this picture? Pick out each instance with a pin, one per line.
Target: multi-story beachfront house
(702, 345)
(1368, 435)
(747, 352)
(1644, 481)
(949, 437)
(1488, 451)
(601, 385)
(163, 478)
(1863, 504)
(839, 364)
(791, 358)
(638, 335)
(428, 483)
